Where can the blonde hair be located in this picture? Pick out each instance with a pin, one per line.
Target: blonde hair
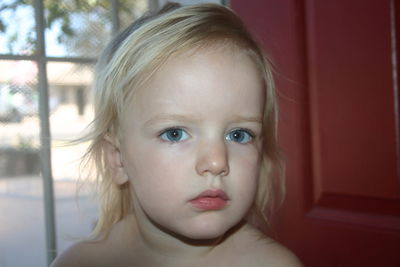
(132, 57)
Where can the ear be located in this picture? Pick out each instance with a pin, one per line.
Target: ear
(114, 161)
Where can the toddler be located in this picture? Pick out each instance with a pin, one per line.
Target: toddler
(184, 146)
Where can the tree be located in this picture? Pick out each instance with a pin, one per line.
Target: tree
(84, 25)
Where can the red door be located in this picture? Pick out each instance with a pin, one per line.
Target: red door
(337, 74)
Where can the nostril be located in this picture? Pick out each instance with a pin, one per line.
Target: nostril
(213, 159)
(224, 171)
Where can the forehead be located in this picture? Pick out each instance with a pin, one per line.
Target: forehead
(202, 82)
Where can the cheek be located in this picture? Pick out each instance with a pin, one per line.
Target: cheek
(246, 166)
(155, 174)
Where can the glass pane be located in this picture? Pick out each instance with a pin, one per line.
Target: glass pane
(77, 28)
(17, 28)
(71, 112)
(130, 10)
(21, 195)
(83, 28)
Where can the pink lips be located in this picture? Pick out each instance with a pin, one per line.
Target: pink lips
(210, 200)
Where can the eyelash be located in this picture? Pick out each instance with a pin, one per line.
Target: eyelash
(245, 130)
(250, 133)
(168, 130)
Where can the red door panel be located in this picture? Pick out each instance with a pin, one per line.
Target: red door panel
(339, 125)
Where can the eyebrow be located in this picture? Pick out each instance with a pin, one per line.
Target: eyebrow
(172, 117)
(247, 119)
(193, 119)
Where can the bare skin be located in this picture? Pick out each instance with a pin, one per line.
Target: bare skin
(244, 246)
(166, 174)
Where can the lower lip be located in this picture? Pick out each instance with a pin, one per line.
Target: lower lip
(209, 203)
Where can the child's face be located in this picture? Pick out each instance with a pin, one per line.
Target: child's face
(195, 126)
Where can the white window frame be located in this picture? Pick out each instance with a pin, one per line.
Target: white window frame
(41, 60)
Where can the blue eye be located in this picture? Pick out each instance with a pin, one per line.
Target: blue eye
(174, 135)
(240, 136)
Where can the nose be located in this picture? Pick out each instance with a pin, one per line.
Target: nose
(212, 159)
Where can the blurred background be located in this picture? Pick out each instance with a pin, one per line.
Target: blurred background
(47, 52)
(336, 70)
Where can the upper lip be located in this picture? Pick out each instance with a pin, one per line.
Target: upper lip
(213, 193)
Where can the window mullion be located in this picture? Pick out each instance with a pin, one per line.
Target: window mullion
(115, 17)
(45, 137)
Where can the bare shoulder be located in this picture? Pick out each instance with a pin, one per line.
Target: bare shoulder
(262, 251)
(80, 254)
(271, 253)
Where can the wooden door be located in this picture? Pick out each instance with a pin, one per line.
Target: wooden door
(337, 74)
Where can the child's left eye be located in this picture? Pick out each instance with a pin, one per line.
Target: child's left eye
(174, 135)
(240, 136)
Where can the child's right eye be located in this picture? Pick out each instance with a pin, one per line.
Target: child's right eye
(174, 135)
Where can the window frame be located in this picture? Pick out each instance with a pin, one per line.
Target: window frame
(41, 59)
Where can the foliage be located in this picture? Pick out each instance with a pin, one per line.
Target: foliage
(25, 142)
(66, 14)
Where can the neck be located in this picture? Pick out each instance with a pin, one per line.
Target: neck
(155, 242)
(161, 241)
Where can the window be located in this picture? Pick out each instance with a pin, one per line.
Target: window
(45, 75)
(47, 52)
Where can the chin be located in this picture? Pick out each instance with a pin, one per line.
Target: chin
(206, 231)
(204, 235)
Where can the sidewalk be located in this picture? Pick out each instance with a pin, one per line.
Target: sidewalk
(22, 223)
